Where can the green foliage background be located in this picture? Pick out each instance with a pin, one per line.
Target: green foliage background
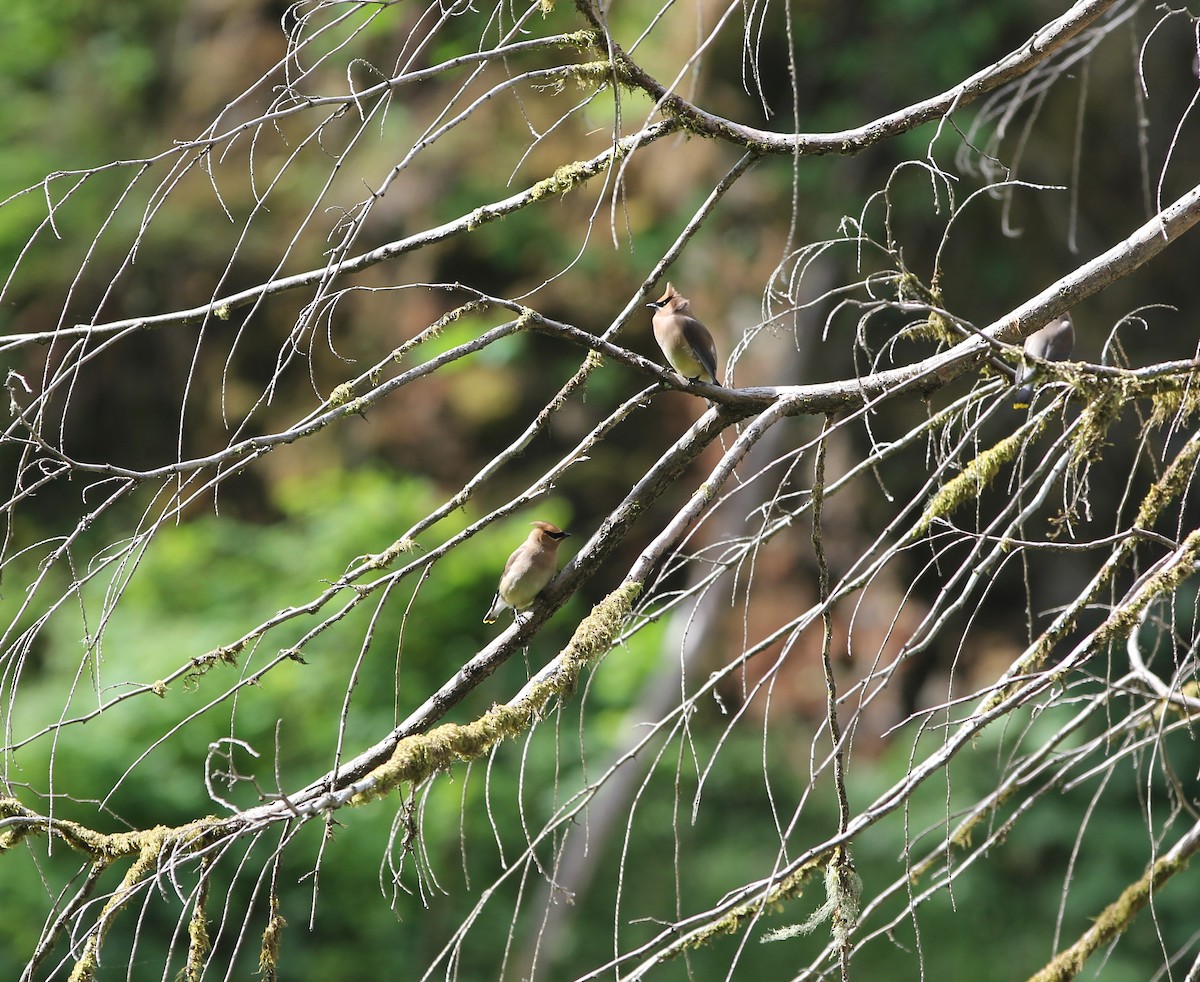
(203, 582)
(86, 83)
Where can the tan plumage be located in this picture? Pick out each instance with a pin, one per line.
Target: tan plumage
(683, 339)
(528, 570)
(1054, 342)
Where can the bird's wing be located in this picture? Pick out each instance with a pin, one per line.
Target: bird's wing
(1054, 342)
(702, 344)
(1061, 342)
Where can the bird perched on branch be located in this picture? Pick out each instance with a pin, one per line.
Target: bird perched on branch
(528, 570)
(1054, 342)
(683, 339)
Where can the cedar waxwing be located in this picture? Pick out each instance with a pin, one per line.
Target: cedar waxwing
(528, 570)
(684, 340)
(1054, 342)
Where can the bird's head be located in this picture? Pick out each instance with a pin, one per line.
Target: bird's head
(544, 531)
(672, 300)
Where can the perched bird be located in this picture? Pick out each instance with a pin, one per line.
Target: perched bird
(528, 570)
(684, 340)
(1054, 342)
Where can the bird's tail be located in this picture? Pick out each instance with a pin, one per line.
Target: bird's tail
(1023, 397)
(1024, 394)
(494, 611)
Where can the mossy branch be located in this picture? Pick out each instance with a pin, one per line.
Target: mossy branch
(414, 759)
(268, 955)
(420, 756)
(843, 898)
(199, 942)
(1118, 916)
(975, 477)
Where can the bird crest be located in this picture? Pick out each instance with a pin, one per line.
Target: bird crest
(672, 298)
(671, 292)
